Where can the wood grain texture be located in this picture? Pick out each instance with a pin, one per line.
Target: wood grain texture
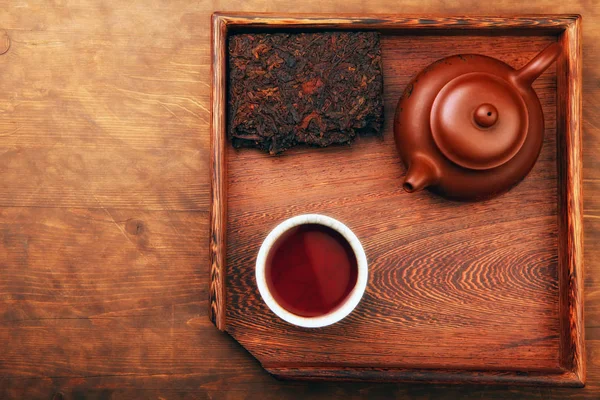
(567, 379)
(146, 162)
(571, 203)
(218, 174)
(551, 23)
(481, 307)
(101, 291)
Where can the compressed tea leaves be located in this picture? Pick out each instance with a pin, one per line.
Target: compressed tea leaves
(303, 88)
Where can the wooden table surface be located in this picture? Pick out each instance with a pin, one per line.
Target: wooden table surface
(104, 183)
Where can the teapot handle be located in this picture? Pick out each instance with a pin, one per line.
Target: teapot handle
(525, 76)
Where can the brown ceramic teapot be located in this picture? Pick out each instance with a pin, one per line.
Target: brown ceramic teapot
(469, 127)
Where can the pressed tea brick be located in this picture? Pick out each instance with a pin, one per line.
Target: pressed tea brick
(303, 88)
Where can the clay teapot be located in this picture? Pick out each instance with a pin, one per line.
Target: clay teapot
(469, 127)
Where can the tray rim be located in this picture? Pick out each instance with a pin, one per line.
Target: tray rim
(570, 200)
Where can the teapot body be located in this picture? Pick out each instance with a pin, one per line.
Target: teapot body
(433, 164)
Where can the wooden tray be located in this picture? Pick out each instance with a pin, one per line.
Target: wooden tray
(487, 292)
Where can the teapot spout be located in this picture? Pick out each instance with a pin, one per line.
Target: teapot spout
(421, 174)
(534, 68)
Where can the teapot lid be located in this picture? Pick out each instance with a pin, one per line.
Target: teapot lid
(479, 120)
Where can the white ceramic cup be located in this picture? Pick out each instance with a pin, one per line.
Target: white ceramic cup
(352, 299)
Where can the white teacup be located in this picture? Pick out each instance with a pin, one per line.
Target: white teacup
(350, 302)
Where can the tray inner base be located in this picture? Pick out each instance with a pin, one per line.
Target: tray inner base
(452, 285)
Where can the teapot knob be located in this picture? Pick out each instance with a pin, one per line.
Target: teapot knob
(485, 115)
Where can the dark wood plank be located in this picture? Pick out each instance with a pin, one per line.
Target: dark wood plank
(102, 292)
(242, 377)
(90, 115)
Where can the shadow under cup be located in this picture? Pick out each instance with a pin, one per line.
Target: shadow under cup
(311, 270)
